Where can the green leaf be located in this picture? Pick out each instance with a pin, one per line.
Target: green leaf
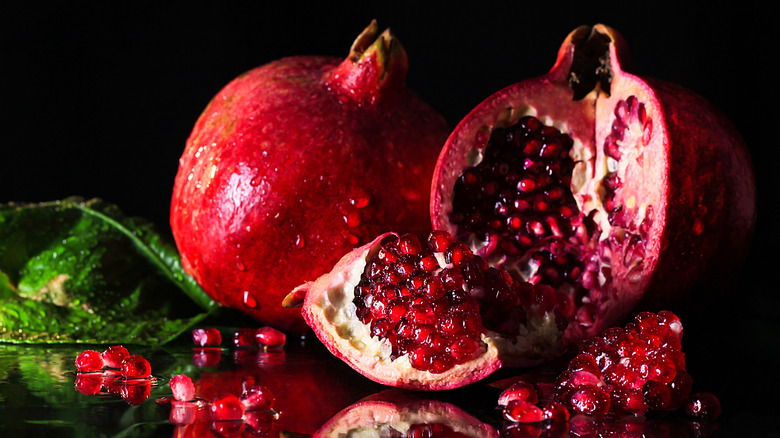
(80, 271)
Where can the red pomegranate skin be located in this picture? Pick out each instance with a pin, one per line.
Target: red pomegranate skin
(295, 163)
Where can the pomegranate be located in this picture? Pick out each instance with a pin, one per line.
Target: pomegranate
(621, 192)
(428, 316)
(291, 163)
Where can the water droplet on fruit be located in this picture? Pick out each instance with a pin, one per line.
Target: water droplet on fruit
(360, 199)
(249, 300)
(352, 218)
(239, 264)
(300, 242)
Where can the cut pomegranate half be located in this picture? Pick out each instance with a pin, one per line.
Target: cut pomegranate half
(428, 316)
(618, 191)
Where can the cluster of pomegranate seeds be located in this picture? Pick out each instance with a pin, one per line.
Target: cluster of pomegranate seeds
(519, 194)
(206, 337)
(629, 370)
(425, 300)
(114, 371)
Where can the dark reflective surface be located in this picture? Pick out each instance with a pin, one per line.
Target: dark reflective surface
(41, 394)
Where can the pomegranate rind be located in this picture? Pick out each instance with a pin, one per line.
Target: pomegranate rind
(328, 310)
(696, 175)
(391, 411)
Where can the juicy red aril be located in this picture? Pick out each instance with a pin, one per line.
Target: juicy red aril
(258, 398)
(521, 411)
(555, 412)
(244, 337)
(270, 337)
(89, 361)
(519, 390)
(703, 406)
(590, 400)
(206, 337)
(182, 387)
(136, 367)
(419, 297)
(640, 366)
(114, 355)
(227, 408)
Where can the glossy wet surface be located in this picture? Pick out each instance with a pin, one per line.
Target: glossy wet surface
(41, 394)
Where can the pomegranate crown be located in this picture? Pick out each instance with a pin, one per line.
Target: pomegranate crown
(376, 66)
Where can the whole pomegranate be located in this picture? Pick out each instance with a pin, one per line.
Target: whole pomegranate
(295, 163)
(619, 191)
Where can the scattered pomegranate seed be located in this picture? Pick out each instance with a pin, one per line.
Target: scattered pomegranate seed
(227, 408)
(703, 406)
(206, 337)
(114, 355)
(89, 361)
(244, 337)
(520, 411)
(270, 337)
(182, 387)
(259, 423)
(136, 367)
(590, 400)
(555, 412)
(258, 398)
(520, 390)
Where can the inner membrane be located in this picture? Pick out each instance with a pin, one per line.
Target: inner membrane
(530, 207)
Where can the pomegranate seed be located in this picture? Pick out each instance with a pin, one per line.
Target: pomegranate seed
(520, 390)
(136, 367)
(244, 337)
(89, 361)
(270, 337)
(227, 408)
(521, 411)
(113, 356)
(555, 412)
(703, 406)
(258, 398)
(182, 387)
(590, 400)
(206, 337)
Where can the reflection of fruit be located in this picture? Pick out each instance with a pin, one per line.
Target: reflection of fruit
(306, 391)
(428, 317)
(617, 190)
(291, 161)
(396, 413)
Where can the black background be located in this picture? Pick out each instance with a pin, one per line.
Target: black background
(98, 101)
